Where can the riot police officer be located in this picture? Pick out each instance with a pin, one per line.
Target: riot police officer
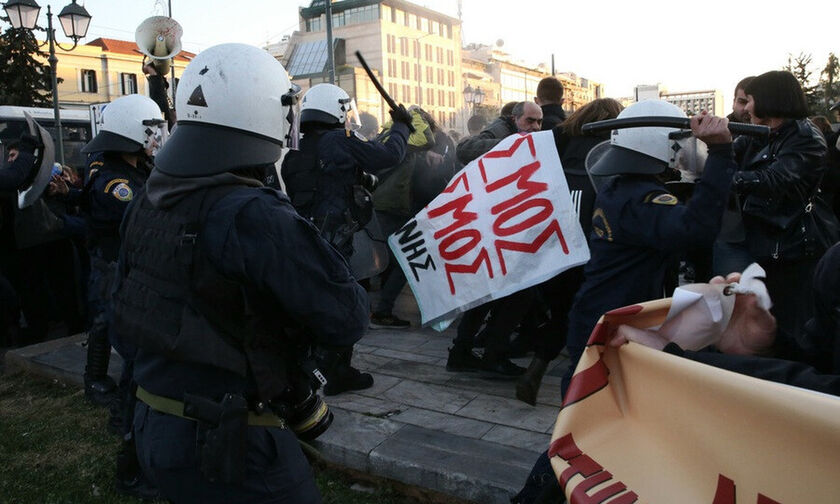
(223, 291)
(329, 182)
(122, 153)
(638, 227)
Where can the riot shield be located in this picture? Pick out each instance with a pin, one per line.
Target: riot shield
(370, 251)
(44, 161)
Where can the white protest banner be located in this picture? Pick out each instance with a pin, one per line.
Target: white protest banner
(504, 223)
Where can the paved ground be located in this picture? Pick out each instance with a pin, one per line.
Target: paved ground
(452, 433)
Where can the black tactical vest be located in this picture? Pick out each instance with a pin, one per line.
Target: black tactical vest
(301, 171)
(174, 303)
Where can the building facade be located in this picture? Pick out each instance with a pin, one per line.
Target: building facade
(103, 70)
(415, 51)
(692, 102)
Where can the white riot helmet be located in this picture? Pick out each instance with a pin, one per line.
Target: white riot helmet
(233, 104)
(129, 124)
(643, 150)
(327, 104)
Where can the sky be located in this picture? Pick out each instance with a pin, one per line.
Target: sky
(685, 46)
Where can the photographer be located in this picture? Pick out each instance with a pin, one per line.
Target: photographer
(221, 282)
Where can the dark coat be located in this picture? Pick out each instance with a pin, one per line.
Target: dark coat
(777, 177)
(553, 115)
(477, 145)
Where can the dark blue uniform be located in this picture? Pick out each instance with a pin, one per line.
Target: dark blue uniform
(112, 184)
(637, 230)
(254, 238)
(320, 177)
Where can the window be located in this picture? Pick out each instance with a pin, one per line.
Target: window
(441, 101)
(128, 83)
(450, 59)
(428, 52)
(417, 74)
(392, 44)
(418, 94)
(386, 13)
(416, 48)
(403, 46)
(405, 70)
(439, 54)
(430, 96)
(451, 80)
(406, 93)
(430, 75)
(89, 81)
(440, 77)
(392, 68)
(313, 25)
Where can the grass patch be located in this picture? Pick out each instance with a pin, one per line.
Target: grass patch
(55, 449)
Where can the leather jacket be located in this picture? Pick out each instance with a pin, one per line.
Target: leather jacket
(777, 177)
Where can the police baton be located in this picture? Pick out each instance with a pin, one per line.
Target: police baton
(390, 101)
(385, 96)
(669, 122)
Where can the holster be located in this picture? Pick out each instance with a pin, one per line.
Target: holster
(221, 438)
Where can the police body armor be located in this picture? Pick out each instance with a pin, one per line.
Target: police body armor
(171, 278)
(306, 184)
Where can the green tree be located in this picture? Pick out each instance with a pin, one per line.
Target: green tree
(799, 67)
(24, 80)
(831, 86)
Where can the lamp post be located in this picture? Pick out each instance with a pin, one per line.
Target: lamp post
(473, 97)
(74, 21)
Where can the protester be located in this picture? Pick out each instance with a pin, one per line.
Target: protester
(525, 117)
(220, 388)
(475, 124)
(503, 315)
(573, 145)
(403, 191)
(550, 99)
(729, 252)
(776, 181)
(637, 226)
(328, 181)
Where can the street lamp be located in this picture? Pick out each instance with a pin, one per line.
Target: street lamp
(74, 21)
(473, 96)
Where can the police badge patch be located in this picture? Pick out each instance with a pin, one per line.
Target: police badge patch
(122, 192)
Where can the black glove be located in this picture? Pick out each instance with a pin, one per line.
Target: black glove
(400, 114)
(28, 143)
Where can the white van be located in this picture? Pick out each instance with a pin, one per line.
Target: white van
(75, 125)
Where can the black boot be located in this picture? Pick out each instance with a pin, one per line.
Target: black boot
(100, 388)
(528, 384)
(130, 480)
(495, 365)
(462, 359)
(340, 375)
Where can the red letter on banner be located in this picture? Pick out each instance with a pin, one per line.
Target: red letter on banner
(483, 256)
(553, 228)
(523, 182)
(461, 217)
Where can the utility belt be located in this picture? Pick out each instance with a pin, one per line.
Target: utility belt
(191, 411)
(221, 436)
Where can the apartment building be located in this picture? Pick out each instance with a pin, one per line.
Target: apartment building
(414, 50)
(102, 70)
